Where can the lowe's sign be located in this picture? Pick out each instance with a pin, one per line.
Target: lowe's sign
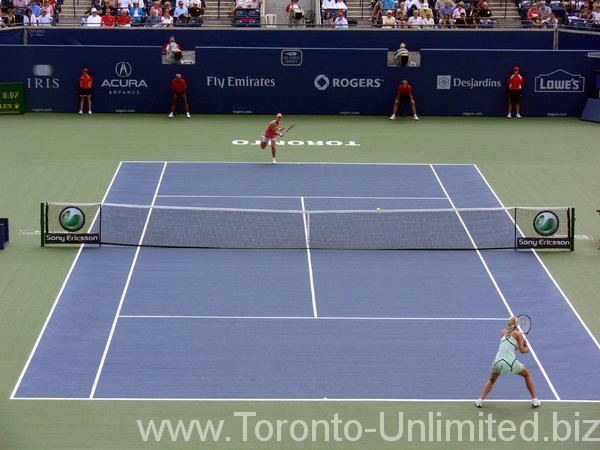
(559, 81)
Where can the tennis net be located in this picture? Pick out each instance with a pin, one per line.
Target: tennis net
(407, 229)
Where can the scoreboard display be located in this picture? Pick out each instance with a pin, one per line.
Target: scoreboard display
(12, 98)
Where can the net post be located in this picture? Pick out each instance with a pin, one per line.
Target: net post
(42, 223)
(572, 227)
(100, 225)
(515, 227)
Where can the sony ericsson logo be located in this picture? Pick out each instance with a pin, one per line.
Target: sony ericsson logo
(124, 84)
(546, 223)
(123, 69)
(72, 219)
(559, 81)
(323, 82)
(445, 82)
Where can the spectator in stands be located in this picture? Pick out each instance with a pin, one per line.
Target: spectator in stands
(45, 19)
(533, 15)
(341, 21)
(461, 22)
(380, 7)
(167, 19)
(35, 7)
(550, 22)
(29, 20)
(328, 4)
(439, 4)
(106, 8)
(93, 20)
(48, 7)
(156, 7)
(484, 13)
(122, 4)
(18, 4)
(341, 5)
(85, 89)
(401, 55)
(153, 20)
(428, 21)
(515, 90)
(402, 8)
(585, 13)
(179, 90)
(473, 20)
(401, 21)
(472, 9)
(389, 21)
(404, 96)
(458, 10)
(328, 20)
(446, 21)
(295, 13)
(123, 20)
(10, 19)
(240, 4)
(424, 11)
(415, 20)
(108, 20)
(570, 6)
(446, 9)
(196, 11)
(136, 13)
(545, 10)
(181, 13)
(596, 14)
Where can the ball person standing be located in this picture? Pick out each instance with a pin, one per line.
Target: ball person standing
(515, 91)
(404, 95)
(179, 89)
(85, 90)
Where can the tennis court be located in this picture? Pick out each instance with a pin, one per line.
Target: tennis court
(298, 324)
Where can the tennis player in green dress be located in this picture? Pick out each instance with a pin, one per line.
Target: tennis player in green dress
(506, 362)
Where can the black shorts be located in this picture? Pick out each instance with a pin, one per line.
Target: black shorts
(85, 91)
(404, 99)
(514, 96)
(178, 96)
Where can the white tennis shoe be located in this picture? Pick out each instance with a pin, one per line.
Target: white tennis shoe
(393, 117)
(535, 403)
(170, 115)
(478, 403)
(274, 161)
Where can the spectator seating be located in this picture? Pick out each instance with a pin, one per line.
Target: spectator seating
(247, 18)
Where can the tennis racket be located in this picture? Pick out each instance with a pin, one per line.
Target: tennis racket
(288, 129)
(524, 323)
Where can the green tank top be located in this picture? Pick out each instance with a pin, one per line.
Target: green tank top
(506, 350)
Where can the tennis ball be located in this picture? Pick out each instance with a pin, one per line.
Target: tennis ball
(378, 209)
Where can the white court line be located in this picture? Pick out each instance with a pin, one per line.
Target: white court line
(299, 163)
(191, 317)
(126, 287)
(306, 221)
(493, 279)
(300, 400)
(62, 288)
(564, 296)
(304, 196)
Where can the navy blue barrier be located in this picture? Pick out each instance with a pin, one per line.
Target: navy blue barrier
(578, 40)
(302, 81)
(414, 39)
(12, 36)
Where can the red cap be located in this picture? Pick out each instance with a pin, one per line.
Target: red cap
(516, 68)
(85, 69)
(340, 13)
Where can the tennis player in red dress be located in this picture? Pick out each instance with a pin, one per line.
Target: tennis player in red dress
(85, 90)
(273, 130)
(515, 90)
(404, 95)
(179, 89)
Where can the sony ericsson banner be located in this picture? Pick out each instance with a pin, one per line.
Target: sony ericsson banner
(69, 224)
(550, 232)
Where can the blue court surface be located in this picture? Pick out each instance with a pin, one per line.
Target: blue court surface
(160, 323)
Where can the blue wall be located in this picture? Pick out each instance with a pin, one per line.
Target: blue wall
(303, 81)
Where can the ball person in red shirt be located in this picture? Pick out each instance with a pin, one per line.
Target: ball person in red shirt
(404, 95)
(179, 89)
(515, 90)
(85, 90)
(273, 130)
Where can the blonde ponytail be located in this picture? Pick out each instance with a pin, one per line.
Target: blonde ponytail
(513, 324)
